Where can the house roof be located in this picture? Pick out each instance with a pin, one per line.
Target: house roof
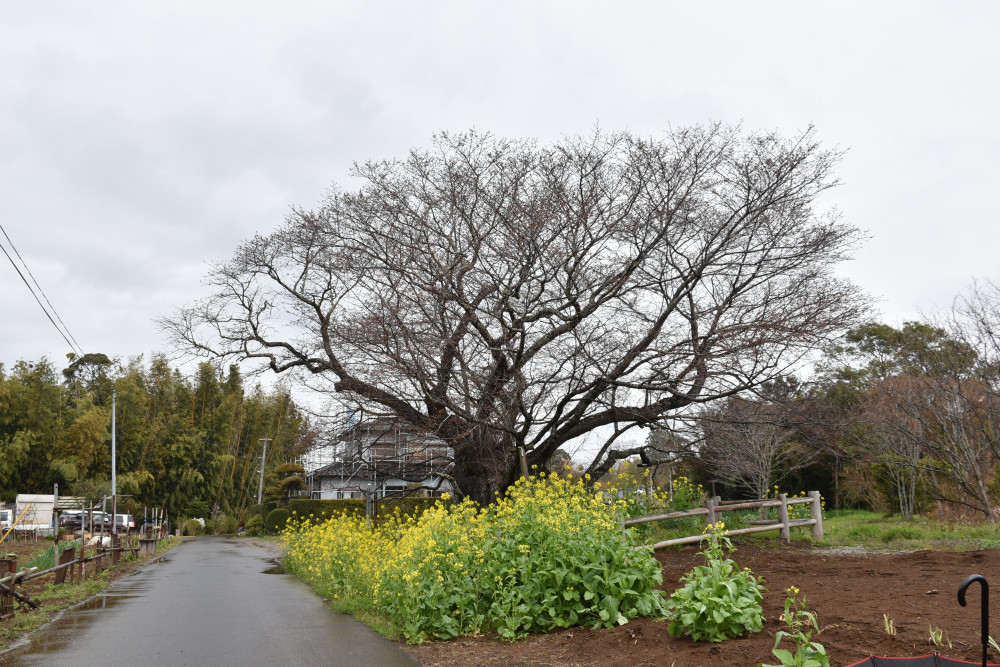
(365, 471)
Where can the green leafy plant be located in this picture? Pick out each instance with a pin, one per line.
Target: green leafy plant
(718, 599)
(801, 625)
(939, 637)
(198, 509)
(591, 576)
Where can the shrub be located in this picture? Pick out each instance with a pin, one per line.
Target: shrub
(254, 525)
(191, 527)
(221, 525)
(263, 509)
(549, 555)
(227, 524)
(718, 600)
(322, 510)
(276, 520)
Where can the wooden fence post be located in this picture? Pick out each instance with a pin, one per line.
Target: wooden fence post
(711, 504)
(7, 566)
(65, 557)
(786, 529)
(816, 513)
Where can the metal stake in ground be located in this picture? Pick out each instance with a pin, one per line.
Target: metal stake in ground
(984, 608)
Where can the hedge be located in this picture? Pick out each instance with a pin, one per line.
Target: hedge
(262, 510)
(325, 509)
(276, 520)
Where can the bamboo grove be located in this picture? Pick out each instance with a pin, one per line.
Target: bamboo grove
(182, 442)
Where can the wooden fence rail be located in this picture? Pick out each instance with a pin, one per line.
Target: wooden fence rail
(67, 563)
(715, 507)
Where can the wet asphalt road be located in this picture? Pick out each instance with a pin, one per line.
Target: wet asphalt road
(208, 602)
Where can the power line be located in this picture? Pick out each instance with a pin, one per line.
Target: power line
(74, 345)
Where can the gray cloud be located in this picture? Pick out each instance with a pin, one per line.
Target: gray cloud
(139, 142)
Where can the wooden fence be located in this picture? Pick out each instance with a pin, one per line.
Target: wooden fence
(68, 564)
(715, 507)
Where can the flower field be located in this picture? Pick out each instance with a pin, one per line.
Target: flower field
(551, 554)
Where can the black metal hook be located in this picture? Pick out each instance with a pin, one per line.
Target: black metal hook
(984, 607)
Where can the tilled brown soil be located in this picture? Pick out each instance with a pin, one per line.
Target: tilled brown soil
(849, 593)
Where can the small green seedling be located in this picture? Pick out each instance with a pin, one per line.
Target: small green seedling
(939, 637)
(801, 625)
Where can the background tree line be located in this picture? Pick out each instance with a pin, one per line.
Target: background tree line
(901, 419)
(183, 442)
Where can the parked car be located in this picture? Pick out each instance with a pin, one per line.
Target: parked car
(101, 522)
(124, 523)
(73, 519)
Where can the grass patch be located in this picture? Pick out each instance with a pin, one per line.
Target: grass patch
(362, 611)
(67, 595)
(53, 599)
(651, 533)
(851, 528)
(877, 531)
(45, 558)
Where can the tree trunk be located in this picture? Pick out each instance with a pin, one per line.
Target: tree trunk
(984, 496)
(836, 482)
(482, 470)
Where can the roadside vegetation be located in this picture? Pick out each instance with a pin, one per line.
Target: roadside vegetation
(550, 554)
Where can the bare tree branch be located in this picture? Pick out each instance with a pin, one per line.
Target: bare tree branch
(501, 293)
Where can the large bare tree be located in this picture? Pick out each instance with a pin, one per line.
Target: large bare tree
(503, 293)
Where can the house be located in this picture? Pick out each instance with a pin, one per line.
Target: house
(386, 456)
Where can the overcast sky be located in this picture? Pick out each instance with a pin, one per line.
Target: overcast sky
(139, 143)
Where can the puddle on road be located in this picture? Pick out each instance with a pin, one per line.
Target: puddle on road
(104, 602)
(276, 568)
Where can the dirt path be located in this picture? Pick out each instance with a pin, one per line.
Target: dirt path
(849, 592)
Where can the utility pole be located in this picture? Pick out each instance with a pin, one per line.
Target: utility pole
(263, 459)
(114, 467)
